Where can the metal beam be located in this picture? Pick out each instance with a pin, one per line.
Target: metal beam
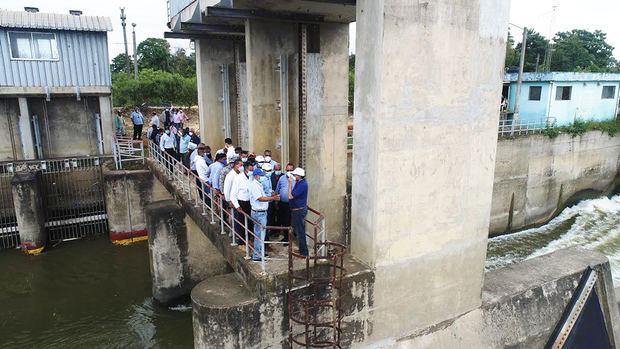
(191, 36)
(263, 14)
(213, 28)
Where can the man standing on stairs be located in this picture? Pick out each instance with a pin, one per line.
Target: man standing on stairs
(298, 200)
(259, 201)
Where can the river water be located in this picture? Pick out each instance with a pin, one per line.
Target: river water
(86, 294)
(591, 224)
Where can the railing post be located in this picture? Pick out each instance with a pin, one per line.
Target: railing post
(232, 229)
(222, 211)
(247, 240)
(262, 243)
(212, 202)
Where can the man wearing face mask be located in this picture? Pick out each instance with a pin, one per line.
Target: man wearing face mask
(243, 156)
(284, 211)
(268, 159)
(195, 139)
(260, 160)
(167, 143)
(240, 198)
(259, 201)
(298, 198)
(225, 171)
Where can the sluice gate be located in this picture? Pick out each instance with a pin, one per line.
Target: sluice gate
(71, 194)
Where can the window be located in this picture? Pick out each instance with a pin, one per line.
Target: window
(33, 46)
(535, 93)
(563, 93)
(609, 92)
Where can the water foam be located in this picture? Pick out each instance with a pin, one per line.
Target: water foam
(592, 224)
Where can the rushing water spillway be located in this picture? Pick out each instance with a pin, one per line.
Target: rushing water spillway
(591, 224)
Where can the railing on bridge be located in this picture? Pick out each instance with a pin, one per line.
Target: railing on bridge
(214, 204)
(125, 149)
(526, 126)
(9, 232)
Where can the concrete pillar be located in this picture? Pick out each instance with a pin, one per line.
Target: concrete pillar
(265, 42)
(29, 212)
(210, 55)
(107, 122)
(326, 143)
(180, 254)
(25, 130)
(428, 82)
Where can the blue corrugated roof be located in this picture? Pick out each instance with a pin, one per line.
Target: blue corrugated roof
(563, 76)
(38, 20)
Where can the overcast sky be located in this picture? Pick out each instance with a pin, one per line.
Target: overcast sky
(150, 17)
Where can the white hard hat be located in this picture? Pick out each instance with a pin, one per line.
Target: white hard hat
(260, 158)
(267, 167)
(299, 172)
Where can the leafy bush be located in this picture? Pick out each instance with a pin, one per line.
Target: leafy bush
(154, 86)
(579, 127)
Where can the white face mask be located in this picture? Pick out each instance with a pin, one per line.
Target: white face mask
(191, 133)
(267, 158)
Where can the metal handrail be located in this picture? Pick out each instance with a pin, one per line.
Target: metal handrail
(188, 182)
(525, 125)
(124, 150)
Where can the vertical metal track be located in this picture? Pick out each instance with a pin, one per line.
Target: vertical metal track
(303, 95)
(11, 133)
(238, 91)
(225, 100)
(37, 136)
(284, 120)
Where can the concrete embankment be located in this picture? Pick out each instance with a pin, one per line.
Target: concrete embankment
(535, 176)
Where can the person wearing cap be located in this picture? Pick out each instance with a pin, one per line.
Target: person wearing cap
(240, 198)
(284, 210)
(215, 169)
(260, 203)
(298, 198)
(260, 160)
(268, 159)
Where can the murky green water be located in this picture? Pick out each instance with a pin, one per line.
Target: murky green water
(592, 224)
(86, 294)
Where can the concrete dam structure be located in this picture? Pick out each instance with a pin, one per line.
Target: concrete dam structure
(273, 75)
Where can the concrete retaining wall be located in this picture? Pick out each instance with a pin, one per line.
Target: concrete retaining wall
(535, 175)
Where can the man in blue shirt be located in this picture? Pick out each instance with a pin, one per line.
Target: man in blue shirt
(284, 210)
(298, 200)
(214, 171)
(138, 121)
(184, 140)
(259, 202)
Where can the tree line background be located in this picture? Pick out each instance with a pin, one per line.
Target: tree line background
(163, 76)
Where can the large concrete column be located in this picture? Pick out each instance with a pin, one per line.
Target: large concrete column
(107, 122)
(326, 142)
(26, 134)
(29, 212)
(180, 254)
(428, 82)
(210, 55)
(265, 42)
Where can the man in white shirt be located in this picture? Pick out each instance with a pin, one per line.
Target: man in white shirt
(167, 144)
(260, 203)
(202, 170)
(240, 199)
(155, 119)
(230, 178)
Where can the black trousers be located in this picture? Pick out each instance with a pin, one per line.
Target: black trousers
(272, 220)
(247, 208)
(173, 155)
(137, 132)
(284, 216)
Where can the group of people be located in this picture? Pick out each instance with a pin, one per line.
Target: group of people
(171, 117)
(257, 186)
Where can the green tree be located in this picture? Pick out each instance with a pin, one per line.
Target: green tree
(351, 80)
(154, 86)
(182, 64)
(512, 56)
(581, 50)
(154, 54)
(536, 47)
(118, 64)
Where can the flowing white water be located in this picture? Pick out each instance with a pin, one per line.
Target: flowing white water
(592, 224)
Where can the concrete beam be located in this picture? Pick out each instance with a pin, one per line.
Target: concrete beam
(210, 55)
(29, 212)
(432, 116)
(265, 42)
(39, 91)
(107, 123)
(26, 135)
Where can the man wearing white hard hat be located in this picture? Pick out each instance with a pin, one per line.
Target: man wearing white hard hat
(260, 160)
(298, 201)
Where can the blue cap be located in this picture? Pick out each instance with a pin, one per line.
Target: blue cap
(258, 172)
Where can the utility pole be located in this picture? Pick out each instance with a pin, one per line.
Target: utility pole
(515, 117)
(135, 55)
(537, 60)
(123, 18)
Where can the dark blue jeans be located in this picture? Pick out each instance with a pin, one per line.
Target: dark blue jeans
(299, 224)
